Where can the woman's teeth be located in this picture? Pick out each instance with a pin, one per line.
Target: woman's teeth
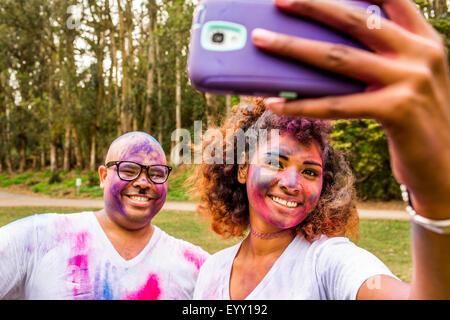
(289, 204)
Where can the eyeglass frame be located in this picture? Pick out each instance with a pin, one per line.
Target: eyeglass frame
(117, 164)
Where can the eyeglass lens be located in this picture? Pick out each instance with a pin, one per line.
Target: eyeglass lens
(130, 171)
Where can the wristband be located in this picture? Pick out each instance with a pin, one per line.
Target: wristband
(438, 226)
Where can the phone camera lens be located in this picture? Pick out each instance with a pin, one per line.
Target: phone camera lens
(218, 37)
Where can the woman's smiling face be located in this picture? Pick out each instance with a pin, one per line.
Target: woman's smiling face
(284, 181)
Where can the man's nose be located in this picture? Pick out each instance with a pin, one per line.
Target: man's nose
(143, 181)
(290, 182)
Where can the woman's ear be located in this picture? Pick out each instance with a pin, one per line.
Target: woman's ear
(242, 173)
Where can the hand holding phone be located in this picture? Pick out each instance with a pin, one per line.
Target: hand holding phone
(223, 60)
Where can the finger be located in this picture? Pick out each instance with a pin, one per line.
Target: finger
(352, 62)
(355, 106)
(369, 28)
(406, 14)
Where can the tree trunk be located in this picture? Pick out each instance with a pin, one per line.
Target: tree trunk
(177, 93)
(440, 7)
(211, 110)
(43, 164)
(23, 155)
(151, 64)
(126, 47)
(8, 161)
(66, 160)
(147, 127)
(177, 99)
(114, 83)
(228, 105)
(77, 150)
(92, 161)
(53, 161)
(159, 93)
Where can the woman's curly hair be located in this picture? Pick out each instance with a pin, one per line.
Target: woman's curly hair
(224, 198)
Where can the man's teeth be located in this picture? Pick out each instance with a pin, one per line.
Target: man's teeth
(138, 198)
(290, 204)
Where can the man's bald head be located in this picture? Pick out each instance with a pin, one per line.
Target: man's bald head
(132, 204)
(134, 143)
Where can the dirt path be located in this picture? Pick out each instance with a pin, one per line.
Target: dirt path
(9, 199)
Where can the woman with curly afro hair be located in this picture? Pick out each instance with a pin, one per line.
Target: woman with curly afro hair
(294, 195)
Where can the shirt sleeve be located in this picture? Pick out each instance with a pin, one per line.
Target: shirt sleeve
(16, 243)
(342, 267)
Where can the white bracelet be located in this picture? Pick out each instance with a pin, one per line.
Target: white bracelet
(438, 226)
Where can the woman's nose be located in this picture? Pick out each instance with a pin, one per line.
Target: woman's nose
(290, 182)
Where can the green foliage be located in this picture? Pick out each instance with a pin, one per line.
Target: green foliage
(42, 187)
(7, 181)
(55, 178)
(368, 154)
(177, 189)
(92, 191)
(93, 179)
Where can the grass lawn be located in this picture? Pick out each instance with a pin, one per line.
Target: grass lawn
(389, 240)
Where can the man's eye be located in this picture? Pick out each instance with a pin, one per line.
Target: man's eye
(157, 174)
(128, 172)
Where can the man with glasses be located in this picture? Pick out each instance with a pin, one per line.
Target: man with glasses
(114, 253)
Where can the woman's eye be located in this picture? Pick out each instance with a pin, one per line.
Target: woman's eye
(273, 162)
(310, 172)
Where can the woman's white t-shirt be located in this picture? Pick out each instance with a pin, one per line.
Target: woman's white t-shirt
(328, 268)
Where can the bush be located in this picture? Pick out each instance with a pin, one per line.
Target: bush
(369, 158)
(93, 179)
(21, 178)
(41, 187)
(54, 178)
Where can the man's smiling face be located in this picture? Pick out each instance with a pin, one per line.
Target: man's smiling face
(132, 204)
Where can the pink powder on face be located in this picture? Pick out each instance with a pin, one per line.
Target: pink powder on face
(193, 257)
(149, 291)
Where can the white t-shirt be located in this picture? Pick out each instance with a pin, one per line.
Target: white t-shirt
(68, 256)
(328, 268)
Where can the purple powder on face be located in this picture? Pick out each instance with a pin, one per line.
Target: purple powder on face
(147, 151)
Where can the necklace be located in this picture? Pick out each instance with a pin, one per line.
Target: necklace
(269, 235)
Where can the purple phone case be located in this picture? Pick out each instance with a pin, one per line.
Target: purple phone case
(251, 71)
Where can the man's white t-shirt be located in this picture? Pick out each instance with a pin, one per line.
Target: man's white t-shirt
(328, 268)
(68, 256)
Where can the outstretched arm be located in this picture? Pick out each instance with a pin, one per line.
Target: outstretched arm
(408, 93)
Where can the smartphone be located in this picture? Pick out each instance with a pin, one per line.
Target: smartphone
(223, 60)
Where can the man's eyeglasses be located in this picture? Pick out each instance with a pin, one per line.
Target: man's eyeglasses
(129, 170)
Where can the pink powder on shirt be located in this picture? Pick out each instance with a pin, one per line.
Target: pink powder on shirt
(149, 291)
(79, 265)
(194, 257)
